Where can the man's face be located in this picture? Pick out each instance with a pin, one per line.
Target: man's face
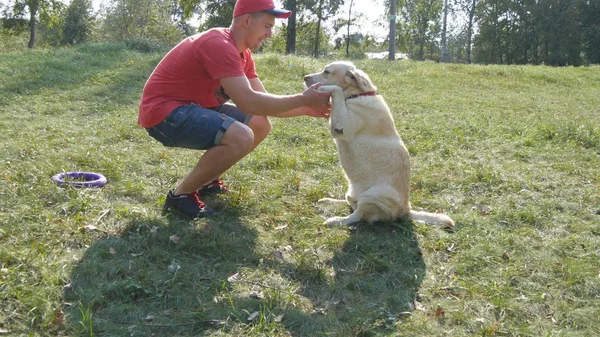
(260, 27)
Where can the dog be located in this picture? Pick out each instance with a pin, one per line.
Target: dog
(374, 158)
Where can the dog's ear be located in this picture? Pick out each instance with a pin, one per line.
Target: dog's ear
(360, 79)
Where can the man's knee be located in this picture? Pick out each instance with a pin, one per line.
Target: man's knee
(239, 136)
(261, 126)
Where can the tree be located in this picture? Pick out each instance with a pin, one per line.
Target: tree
(34, 6)
(427, 15)
(178, 17)
(492, 24)
(13, 20)
(350, 40)
(146, 19)
(290, 44)
(466, 9)
(217, 13)
(348, 29)
(444, 32)
(323, 9)
(46, 10)
(529, 31)
(418, 27)
(471, 11)
(77, 23)
(590, 25)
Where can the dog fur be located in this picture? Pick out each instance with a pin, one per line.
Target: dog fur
(373, 156)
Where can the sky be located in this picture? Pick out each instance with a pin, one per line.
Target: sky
(374, 10)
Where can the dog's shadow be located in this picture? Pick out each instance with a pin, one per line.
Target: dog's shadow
(378, 273)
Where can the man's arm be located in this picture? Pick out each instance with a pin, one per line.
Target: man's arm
(257, 85)
(251, 98)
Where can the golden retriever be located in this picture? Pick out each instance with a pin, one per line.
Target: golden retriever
(373, 156)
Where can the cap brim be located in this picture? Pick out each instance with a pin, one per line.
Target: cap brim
(279, 13)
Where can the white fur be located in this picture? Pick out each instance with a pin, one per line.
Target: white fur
(373, 156)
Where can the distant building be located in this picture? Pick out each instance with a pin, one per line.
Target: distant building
(384, 56)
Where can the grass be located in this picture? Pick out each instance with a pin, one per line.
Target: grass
(511, 153)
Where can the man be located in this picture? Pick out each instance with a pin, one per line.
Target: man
(183, 102)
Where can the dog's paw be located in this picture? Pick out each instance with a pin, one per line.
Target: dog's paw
(330, 88)
(336, 221)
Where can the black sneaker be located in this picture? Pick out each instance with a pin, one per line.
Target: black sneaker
(214, 187)
(189, 205)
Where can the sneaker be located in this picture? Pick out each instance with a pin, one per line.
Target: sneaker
(214, 187)
(189, 205)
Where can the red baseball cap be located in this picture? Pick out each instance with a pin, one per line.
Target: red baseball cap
(251, 6)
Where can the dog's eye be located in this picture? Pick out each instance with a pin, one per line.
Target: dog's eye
(326, 72)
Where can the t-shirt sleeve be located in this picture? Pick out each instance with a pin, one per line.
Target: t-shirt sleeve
(221, 58)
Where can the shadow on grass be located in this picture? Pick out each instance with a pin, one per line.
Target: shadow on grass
(167, 277)
(159, 276)
(378, 273)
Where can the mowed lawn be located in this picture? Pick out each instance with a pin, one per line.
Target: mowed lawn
(511, 153)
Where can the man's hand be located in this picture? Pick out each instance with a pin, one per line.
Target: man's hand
(322, 112)
(316, 99)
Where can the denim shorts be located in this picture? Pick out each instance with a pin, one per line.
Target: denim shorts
(194, 127)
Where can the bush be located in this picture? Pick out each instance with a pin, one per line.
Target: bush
(13, 43)
(146, 45)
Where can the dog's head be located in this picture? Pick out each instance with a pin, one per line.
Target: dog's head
(345, 75)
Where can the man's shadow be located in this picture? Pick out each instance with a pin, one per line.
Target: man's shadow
(378, 273)
(160, 276)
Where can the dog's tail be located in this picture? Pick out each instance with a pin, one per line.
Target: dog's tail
(432, 218)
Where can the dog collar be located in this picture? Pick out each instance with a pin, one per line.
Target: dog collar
(368, 93)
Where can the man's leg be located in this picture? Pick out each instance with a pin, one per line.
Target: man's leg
(238, 140)
(260, 126)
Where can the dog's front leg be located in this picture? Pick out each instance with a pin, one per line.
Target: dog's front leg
(342, 124)
(355, 217)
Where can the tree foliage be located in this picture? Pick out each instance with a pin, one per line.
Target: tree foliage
(19, 14)
(218, 13)
(535, 31)
(78, 22)
(141, 19)
(553, 32)
(323, 10)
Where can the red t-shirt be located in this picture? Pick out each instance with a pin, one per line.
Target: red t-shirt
(190, 73)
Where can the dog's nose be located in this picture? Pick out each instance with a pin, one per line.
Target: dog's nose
(307, 77)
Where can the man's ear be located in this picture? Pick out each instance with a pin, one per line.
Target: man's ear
(360, 79)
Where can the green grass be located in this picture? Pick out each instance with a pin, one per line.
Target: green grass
(512, 153)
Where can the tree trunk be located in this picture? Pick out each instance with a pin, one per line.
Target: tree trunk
(470, 30)
(317, 36)
(423, 28)
(348, 32)
(318, 33)
(444, 40)
(290, 45)
(33, 9)
(392, 35)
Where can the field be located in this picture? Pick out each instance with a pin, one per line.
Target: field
(511, 153)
